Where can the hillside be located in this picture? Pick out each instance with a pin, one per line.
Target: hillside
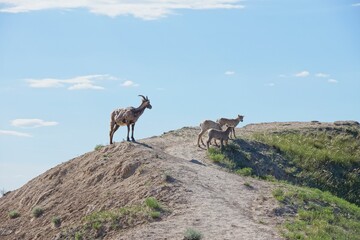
(105, 194)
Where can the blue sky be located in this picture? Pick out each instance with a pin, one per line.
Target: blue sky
(65, 65)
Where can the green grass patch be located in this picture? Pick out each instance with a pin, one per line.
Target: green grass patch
(328, 160)
(56, 221)
(219, 158)
(192, 234)
(102, 222)
(317, 215)
(37, 212)
(98, 147)
(14, 214)
(244, 171)
(155, 214)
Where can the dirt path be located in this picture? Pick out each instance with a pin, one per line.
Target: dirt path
(219, 204)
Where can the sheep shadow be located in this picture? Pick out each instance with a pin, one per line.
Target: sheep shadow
(197, 162)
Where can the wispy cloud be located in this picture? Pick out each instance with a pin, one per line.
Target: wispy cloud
(302, 74)
(75, 83)
(270, 84)
(322, 75)
(14, 133)
(333, 81)
(356, 5)
(144, 9)
(129, 83)
(229, 73)
(32, 123)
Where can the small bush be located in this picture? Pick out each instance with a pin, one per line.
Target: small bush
(154, 214)
(37, 212)
(279, 194)
(192, 234)
(79, 236)
(152, 203)
(14, 214)
(56, 221)
(244, 171)
(98, 147)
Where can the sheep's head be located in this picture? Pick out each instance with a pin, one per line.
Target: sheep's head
(146, 101)
(241, 118)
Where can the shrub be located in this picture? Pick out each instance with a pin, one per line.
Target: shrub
(37, 212)
(98, 147)
(14, 214)
(278, 194)
(154, 214)
(192, 234)
(152, 203)
(78, 236)
(56, 221)
(244, 171)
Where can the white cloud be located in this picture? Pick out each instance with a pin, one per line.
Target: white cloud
(282, 76)
(302, 74)
(32, 123)
(270, 84)
(144, 9)
(129, 83)
(229, 73)
(322, 75)
(76, 83)
(356, 5)
(333, 81)
(14, 133)
(79, 86)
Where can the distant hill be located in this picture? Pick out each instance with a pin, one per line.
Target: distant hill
(160, 187)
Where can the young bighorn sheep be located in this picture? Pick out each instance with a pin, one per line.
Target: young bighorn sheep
(206, 125)
(231, 122)
(127, 116)
(223, 136)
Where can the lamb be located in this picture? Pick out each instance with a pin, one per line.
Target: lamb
(127, 116)
(231, 122)
(206, 125)
(219, 134)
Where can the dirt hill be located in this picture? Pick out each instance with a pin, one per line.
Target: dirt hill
(81, 198)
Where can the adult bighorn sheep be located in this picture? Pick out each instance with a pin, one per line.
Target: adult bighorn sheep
(127, 116)
(223, 136)
(206, 125)
(231, 122)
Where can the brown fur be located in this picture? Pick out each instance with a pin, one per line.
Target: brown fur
(127, 116)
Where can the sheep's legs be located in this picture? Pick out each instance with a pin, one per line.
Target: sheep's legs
(208, 143)
(113, 128)
(200, 138)
(132, 132)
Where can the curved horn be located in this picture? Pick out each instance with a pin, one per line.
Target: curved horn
(147, 98)
(142, 97)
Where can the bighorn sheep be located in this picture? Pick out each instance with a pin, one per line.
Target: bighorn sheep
(231, 122)
(219, 134)
(206, 125)
(127, 116)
